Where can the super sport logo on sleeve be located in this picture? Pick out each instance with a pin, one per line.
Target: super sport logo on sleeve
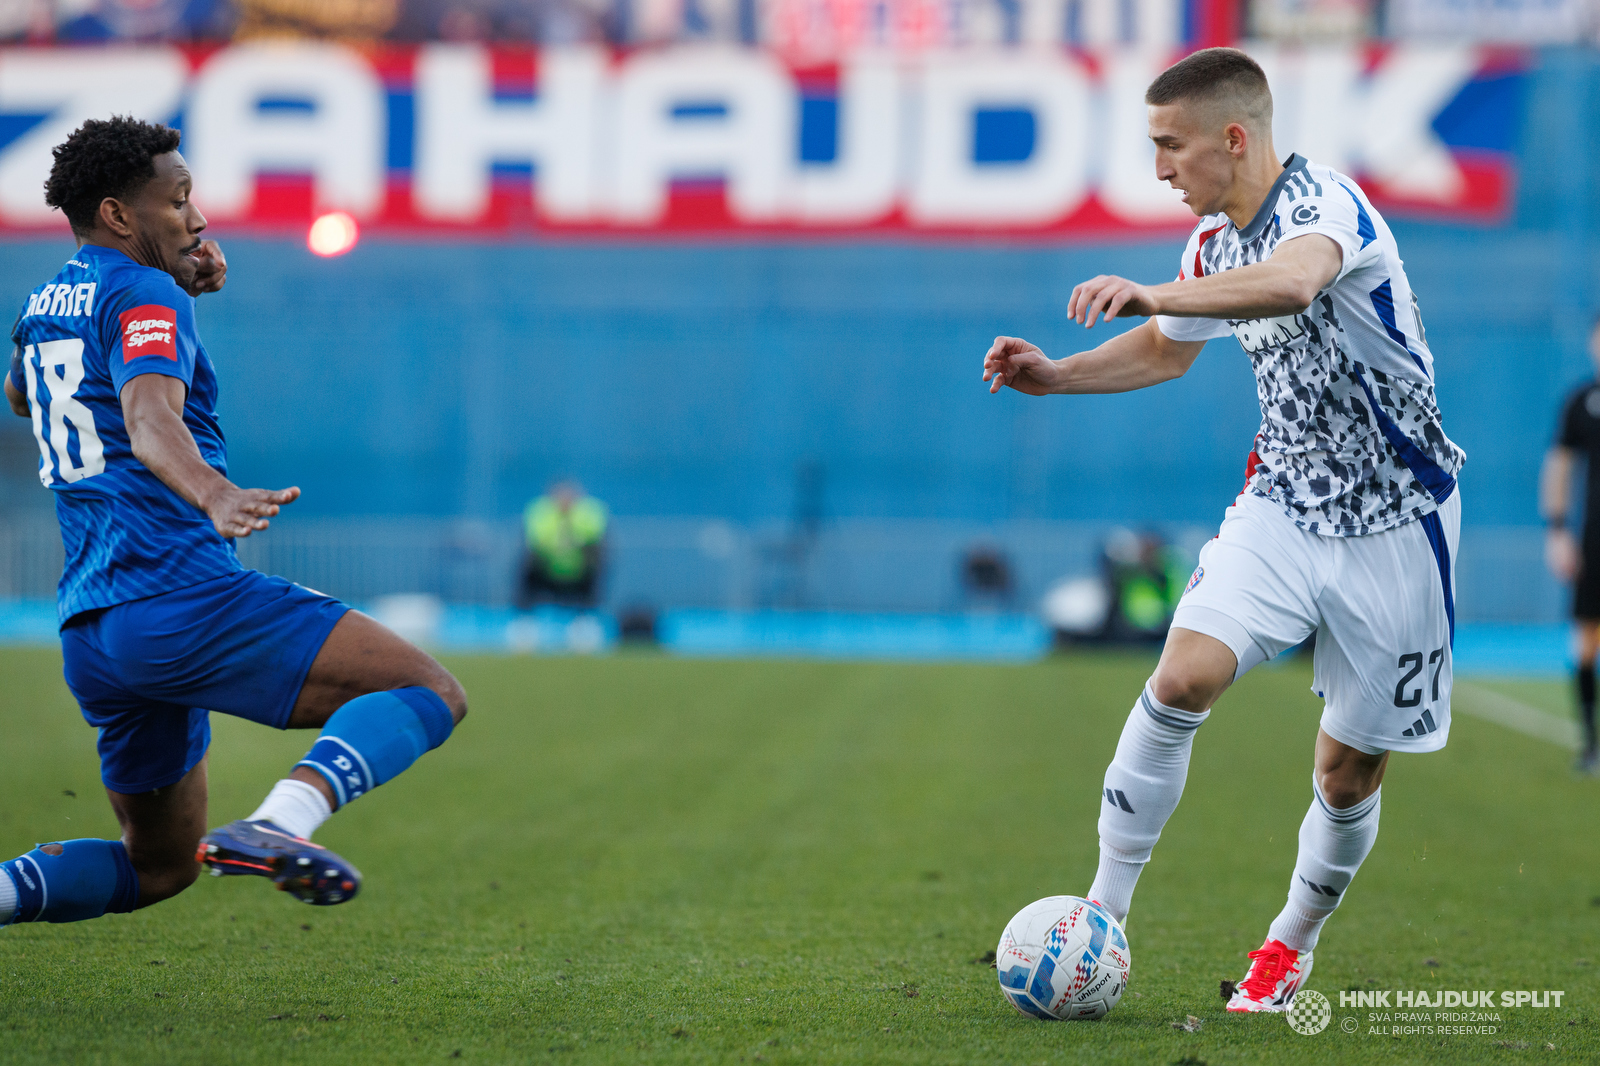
(149, 330)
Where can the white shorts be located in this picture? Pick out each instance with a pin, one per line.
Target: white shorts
(1382, 607)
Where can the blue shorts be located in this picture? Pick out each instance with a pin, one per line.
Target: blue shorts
(148, 672)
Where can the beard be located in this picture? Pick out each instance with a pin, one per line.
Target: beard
(176, 262)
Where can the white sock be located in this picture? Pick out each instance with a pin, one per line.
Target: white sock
(8, 897)
(1333, 844)
(1115, 880)
(1142, 787)
(294, 806)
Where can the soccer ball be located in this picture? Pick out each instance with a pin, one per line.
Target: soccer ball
(1063, 959)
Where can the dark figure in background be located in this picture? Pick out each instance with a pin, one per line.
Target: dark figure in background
(1569, 558)
(986, 576)
(564, 534)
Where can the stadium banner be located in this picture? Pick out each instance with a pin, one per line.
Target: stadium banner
(685, 141)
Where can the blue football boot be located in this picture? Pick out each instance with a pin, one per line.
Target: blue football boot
(309, 872)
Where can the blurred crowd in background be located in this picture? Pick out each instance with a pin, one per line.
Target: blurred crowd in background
(840, 24)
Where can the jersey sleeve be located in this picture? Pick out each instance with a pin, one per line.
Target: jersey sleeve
(1335, 212)
(1189, 266)
(1192, 329)
(151, 330)
(1569, 434)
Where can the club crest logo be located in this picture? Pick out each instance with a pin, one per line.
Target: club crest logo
(1309, 1012)
(1305, 214)
(1194, 579)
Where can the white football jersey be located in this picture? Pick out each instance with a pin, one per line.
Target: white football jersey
(1351, 440)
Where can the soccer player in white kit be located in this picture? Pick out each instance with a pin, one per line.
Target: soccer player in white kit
(1348, 523)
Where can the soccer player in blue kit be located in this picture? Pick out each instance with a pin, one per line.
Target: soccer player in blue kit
(160, 625)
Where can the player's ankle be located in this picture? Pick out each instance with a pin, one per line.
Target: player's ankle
(306, 776)
(296, 805)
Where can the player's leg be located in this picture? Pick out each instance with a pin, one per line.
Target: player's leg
(382, 703)
(159, 831)
(1251, 597)
(375, 696)
(152, 761)
(1146, 777)
(1383, 665)
(68, 881)
(1586, 640)
(1588, 643)
(265, 649)
(1336, 835)
(1338, 831)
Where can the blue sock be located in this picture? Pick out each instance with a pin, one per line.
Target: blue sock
(82, 879)
(374, 737)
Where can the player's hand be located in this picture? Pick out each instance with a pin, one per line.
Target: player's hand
(1013, 361)
(1108, 297)
(1561, 554)
(212, 272)
(240, 512)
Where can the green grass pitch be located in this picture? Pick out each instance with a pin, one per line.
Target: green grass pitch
(641, 859)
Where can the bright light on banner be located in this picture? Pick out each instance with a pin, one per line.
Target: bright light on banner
(333, 234)
(456, 138)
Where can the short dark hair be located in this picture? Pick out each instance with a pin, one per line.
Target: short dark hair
(1213, 74)
(104, 157)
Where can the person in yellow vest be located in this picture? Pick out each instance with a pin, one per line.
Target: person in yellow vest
(564, 534)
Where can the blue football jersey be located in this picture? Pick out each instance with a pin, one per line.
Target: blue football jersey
(99, 323)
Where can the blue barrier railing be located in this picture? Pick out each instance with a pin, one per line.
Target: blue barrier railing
(855, 565)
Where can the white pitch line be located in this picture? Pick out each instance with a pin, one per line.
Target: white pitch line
(1493, 707)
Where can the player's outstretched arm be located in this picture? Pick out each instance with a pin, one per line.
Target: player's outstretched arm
(1141, 357)
(1283, 284)
(152, 409)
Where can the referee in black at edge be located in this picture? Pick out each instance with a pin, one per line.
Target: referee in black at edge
(1569, 559)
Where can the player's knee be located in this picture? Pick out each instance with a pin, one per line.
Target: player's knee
(449, 689)
(1187, 687)
(1342, 794)
(1341, 799)
(429, 674)
(1345, 784)
(444, 685)
(163, 880)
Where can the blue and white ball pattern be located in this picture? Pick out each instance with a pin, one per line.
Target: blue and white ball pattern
(1063, 959)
